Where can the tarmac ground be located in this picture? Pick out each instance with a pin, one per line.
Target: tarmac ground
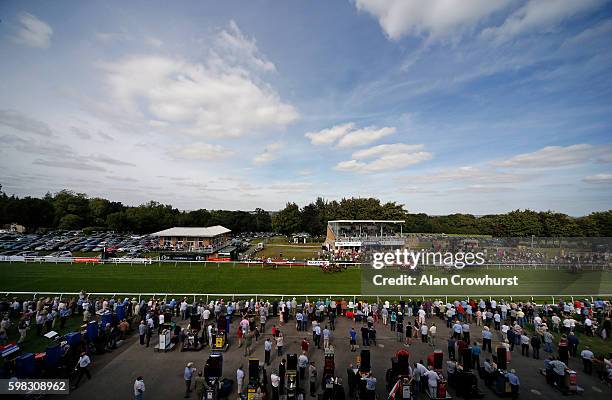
(113, 374)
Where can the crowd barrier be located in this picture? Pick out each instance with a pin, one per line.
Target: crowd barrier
(536, 298)
(291, 263)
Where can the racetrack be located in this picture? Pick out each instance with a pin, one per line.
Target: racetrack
(239, 278)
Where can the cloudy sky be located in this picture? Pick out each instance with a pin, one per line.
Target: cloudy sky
(442, 105)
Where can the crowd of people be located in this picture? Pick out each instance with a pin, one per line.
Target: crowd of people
(548, 331)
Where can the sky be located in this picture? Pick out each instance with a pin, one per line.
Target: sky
(444, 106)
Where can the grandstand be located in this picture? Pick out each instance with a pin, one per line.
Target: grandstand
(362, 235)
(208, 240)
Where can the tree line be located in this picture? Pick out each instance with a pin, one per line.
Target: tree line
(68, 210)
(520, 223)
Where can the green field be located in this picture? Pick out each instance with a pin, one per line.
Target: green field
(299, 252)
(238, 278)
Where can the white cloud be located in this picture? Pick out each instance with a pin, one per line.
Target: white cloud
(240, 48)
(203, 100)
(201, 151)
(23, 123)
(598, 179)
(601, 30)
(466, 174)
(108, 37)
(364, 136)
(33, 32)
(481, 189)
(153, 41)
(538, 16)
(383, 149)
(270, 153)
(387, 157)
(350, 165)
(329, 135)
(559, 156)
(348, 135)
(437, 18)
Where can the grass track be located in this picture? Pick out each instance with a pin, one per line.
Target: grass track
(226, 278)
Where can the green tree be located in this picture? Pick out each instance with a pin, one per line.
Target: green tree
(287, 220)
(118, 222)
(263, 221)
(70, 221)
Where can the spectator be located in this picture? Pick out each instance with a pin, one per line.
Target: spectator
(267, 350)
(279, 344)
(187, 376)
(587, 360)
(275, 382)
(139, 388)
(535, 345)
(83, 368)
(353, 339)
(514, 383)
(302, 363)
(312, 376)
(239, 379)
(486, 339)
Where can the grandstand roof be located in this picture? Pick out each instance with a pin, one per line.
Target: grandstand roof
(210, 231)
(368, 221)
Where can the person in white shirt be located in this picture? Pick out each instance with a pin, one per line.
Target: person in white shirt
(326, 336)
(139, 389)
(82, 366)
(302, 363)
(432, 335)
(588, 326)
(424, 332)
(239, 379)
(555, 320)
(421, 316)
(275, 382)
(587, 359)
(432, 382)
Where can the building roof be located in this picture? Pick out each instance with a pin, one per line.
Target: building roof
(210, 231)
(367, 221)
(227, 249)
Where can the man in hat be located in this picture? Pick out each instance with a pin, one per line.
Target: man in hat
(187, 375)
(514, 383)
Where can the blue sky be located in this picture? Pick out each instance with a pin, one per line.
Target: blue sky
(444, 106)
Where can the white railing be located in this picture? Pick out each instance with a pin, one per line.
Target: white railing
(296, 263)
(282, 297)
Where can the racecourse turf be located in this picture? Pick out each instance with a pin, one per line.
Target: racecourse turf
(241, 279)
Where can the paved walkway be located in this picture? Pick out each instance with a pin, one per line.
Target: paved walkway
(113, 374)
